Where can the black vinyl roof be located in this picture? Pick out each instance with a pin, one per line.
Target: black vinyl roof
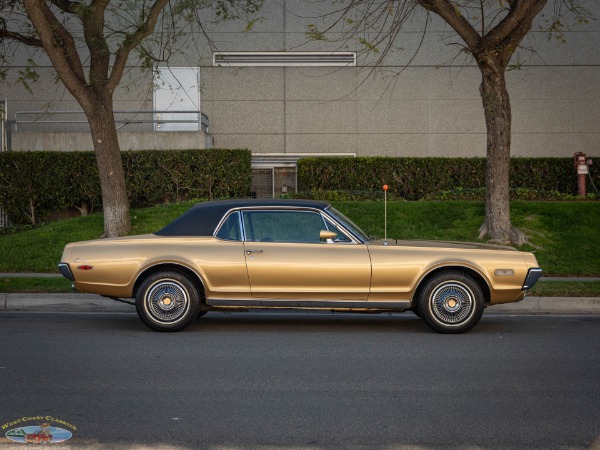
(203, 218)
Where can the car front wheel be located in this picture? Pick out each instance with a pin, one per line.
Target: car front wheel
(168, 301)
(451, 302)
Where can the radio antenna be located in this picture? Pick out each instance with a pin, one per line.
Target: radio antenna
(385, 189)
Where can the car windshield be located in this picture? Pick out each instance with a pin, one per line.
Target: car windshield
(348, 224)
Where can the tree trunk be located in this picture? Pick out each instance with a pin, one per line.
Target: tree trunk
(496, 105)
(115, 203)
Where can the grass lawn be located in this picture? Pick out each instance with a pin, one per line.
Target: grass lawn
(564, 235)
(560, 288)
(58, 284)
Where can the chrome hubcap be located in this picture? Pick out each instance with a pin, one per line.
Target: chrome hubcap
(452, 303)
(167, 301)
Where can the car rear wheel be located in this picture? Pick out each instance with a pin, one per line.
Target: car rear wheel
(451, 302)
(168, 301)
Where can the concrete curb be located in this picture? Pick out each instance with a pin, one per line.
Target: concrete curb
(95, 303)
(549, 305)
(61, 303)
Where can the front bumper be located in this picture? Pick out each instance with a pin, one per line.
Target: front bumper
(532, 277)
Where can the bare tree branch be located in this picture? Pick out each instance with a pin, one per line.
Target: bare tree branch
(447, 11)
(27, 40)
(92, 19)
(59, 45)
(516, 23)
(68, 6)
(133, 40)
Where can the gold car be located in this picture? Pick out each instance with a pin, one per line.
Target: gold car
(242, 254)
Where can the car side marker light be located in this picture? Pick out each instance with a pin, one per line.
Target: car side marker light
(504, 272)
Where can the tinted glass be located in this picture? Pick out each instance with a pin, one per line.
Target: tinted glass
(230, 230)
(341, 237)
(283, 226)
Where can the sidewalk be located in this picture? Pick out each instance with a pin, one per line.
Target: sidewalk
(95, 303)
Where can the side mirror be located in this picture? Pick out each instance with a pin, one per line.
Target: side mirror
(327, 235)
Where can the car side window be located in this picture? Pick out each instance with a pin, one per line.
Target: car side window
(283, 226)
(341, 237)
(230, 229)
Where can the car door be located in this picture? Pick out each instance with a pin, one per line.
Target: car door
(286, 259)
(224, 262)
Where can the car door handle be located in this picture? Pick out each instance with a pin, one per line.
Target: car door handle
(249, 251)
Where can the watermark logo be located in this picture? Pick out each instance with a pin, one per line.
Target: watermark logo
(44, 431)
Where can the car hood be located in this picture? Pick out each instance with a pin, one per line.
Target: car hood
(441, 244)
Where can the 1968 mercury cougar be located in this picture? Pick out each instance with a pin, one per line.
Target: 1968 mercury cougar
(241, 254)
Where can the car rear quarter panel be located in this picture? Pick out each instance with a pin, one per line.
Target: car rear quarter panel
(119, 263)
(114, 264)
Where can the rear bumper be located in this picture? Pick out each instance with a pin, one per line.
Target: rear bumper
(65, 270)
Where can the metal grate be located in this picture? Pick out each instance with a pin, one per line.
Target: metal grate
(269, 182)
(284, 180)
(262, 183)
(4, 222)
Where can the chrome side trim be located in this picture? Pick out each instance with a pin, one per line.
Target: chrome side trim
(532, 277)
(400, 305)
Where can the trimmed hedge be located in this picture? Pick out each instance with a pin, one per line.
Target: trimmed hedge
(34, 185)
(418, 178)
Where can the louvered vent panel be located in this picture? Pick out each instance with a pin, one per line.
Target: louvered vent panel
(320, 59)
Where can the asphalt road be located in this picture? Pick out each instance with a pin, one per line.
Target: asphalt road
(317, 381)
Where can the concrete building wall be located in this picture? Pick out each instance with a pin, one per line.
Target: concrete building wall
(424, 102)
